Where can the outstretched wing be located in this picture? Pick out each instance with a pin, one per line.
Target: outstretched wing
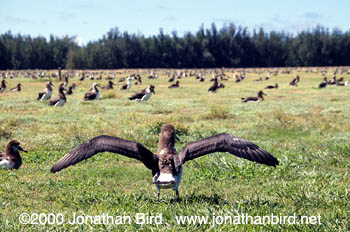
(226, 143)
(110, 144)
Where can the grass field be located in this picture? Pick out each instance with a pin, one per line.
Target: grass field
(306, 128)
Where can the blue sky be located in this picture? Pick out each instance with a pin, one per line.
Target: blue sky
(90, 19)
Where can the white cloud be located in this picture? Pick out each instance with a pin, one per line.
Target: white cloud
(79, 40)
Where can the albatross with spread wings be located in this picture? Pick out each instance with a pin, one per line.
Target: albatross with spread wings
(166, 164)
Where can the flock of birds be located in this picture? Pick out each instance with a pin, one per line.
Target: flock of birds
(94, 93)
(166, 164)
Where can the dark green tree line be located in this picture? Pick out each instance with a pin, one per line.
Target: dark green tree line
(230, 46)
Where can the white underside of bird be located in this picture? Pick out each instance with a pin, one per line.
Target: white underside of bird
(5, 163)
(60, 102)
(168, 178)
(46, 95)
(145, 97)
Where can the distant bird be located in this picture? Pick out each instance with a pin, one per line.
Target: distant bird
(17, 88)
(70, 90)
(11, 159)
(166, 164)
(333, 81)
(122, 79)
(127, 85)
(3, 85)
(143, 95)
(139, 80)
(223, 79)
(214, 87)
(109, 86)
(340, 79)
(260, 79)
(100, 77)
(82, 77)
(323, 84)
(259, 97)
(295, 81)
(172, 78)
(61, 99)
(66, 81)
(93, 93)
(346, 83)
(220, 85)
(176, 85)
(46, 93)
(272, 86)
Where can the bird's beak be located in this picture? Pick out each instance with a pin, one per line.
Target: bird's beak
(177, 138)
(21, 149)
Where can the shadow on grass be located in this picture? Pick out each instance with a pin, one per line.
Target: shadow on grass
(188, 199)
(210, 200)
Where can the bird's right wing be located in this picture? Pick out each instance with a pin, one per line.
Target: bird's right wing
(106, 143)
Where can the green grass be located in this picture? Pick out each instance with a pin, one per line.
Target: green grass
(306, 128)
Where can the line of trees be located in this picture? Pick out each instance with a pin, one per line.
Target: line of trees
(230, 46)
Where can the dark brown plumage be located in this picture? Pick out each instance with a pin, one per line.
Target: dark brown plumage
(227, 143)
(176, 85)
(61, 99)
(70, 90)
(143, 95)
(17, 88)
(93, 93)
(323, 84)
(109, 86)
(3, 86)
(260, 96)
(127, 85)
(272, 86)
(295, 81)
(214, 87)
(11, 158)
(46, 93)
(171, 78)
(166, 164)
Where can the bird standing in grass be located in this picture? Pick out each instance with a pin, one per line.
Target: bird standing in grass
(166, 164)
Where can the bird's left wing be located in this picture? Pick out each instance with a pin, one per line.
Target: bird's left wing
(226, 143)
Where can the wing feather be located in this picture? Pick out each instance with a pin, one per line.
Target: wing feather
(90, 96)
(138, 95)
(54, 101)
(106, 143)
(227, 143)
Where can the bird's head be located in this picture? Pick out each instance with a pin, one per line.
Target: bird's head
(14, 146)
